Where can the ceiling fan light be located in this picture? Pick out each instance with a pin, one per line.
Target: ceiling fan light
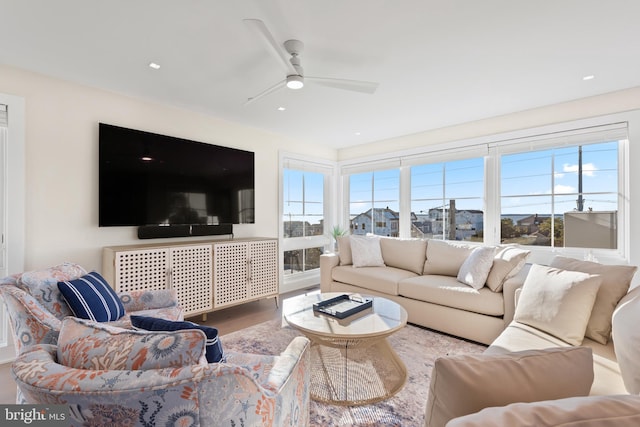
(295, 82)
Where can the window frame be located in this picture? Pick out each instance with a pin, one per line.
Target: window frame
(328, 169)
(489, 146)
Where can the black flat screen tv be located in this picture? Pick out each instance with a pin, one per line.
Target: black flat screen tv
(151, 179)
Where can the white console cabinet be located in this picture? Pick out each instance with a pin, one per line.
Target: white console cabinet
(206, 275)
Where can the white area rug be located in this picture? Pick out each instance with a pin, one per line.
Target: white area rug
(417, 347)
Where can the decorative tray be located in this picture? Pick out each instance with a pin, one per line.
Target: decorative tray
(343, 305)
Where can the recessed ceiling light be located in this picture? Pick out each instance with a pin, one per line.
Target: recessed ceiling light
(281, 108)
(589, 77)
(154, 66)
(357, 133)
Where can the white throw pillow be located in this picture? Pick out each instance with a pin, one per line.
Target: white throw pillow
(475, 270)
(507, 263)
(558, 302)
(366, 252)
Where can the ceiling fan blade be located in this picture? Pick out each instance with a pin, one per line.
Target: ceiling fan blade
(354, 85)
(261, 30)
(266, 92)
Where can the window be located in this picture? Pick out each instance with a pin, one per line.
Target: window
(561, 197)
(447, 200)
(303, 203)
(558, 186)
(374, 202)
(306, 219)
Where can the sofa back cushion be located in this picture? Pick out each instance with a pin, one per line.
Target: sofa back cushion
(84, 344)
(407, 254)
(616, 280)
(465, 384)
(344, 250)
(445, 258)
(626, 335)
(43, 286)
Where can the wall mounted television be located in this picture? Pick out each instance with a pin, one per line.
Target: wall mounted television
(151, 179)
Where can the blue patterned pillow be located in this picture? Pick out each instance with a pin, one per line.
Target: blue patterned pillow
(90, 297)
(214, 352)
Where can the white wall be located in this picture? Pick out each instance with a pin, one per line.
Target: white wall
(61, 124)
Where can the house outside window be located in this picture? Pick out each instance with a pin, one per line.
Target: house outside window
(447, 200)
(374, 202)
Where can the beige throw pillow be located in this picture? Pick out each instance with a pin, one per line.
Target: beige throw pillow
(465, 384)
(507, 263)
(344, 250)
(475, 269)
(365, 251)
(558, 302)
(616, 280)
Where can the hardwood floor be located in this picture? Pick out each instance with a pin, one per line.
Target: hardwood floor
(227, 320)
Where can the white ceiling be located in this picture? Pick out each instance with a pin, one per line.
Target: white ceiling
(438, 62)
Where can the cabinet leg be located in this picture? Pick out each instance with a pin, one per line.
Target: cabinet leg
(277, 303)
(204, 317)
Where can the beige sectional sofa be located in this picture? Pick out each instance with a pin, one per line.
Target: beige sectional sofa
(422, 276)
(557, 386)
(551, 358)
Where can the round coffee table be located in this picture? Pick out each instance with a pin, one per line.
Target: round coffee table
(351, 361)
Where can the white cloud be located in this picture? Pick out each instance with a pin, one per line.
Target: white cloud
(563, 189)
(588, 169)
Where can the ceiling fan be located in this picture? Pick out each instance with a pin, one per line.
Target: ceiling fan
(296, 78)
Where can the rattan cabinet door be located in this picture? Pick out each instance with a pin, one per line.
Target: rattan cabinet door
(263, 268)
(230, 273)
(141, 269)
(191, 278)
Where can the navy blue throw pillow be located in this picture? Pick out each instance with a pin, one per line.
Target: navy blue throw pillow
(90, 297)
(214, 352)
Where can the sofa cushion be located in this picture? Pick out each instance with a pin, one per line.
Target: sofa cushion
(508, 261)
(91, 297)
(445, 258)
(447, 291)
(408, 254)
(475, 269)
(593, 411)
(557, 301)
(84, 344)
(366, 252)
(465, 384)
(214, 352)
(616, 280)
(380, 279)
(626, 335)
(43, 286)
(344, 250)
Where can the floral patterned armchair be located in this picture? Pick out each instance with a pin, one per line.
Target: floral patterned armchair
(131, 380)
(36, 307)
